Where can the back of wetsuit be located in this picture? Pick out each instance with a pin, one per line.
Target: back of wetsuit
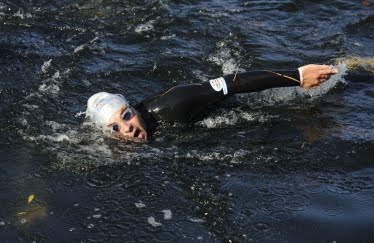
(183, 103)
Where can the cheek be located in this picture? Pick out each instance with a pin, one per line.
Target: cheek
(142, 123)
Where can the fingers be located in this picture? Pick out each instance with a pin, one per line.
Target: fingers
(324, 69)
(321, 80)
(321, 67)
(324, 76)
(313, 75)
(325, 73)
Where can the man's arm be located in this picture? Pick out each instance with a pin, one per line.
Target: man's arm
(185, 102)
(308, 76)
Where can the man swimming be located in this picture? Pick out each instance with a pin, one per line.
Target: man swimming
(184, 103)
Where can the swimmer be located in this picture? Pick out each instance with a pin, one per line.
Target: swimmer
(185, 103)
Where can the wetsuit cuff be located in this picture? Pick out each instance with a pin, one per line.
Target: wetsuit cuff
(301, 75)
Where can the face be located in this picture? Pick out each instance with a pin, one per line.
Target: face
(127, 123)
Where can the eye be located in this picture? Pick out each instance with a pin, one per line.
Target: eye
(115, 128)
(127, 114)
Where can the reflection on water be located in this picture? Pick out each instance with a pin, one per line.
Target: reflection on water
(284, 165)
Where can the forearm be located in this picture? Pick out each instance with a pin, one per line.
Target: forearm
(255, 81)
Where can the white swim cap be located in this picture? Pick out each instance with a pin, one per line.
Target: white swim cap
(101, 107)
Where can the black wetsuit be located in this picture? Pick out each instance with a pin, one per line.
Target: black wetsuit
(183, 103)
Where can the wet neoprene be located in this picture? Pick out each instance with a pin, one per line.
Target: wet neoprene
(183, 103)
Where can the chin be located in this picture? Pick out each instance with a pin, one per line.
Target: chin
(140, 140)
(132, 139)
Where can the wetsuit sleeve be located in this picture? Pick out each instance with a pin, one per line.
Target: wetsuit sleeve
(256, 81)
(183, 103)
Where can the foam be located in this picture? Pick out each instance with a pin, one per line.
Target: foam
(145, 27)
(211, 122)
(197, 220)
(50, 85)
(206, 157)
(46, 65)
(326, 86)
(224, 58)
(233, 117)
(357, 63)
(167, 37)
(83, 46)
(55, 125)
(56, 137)
(140, 205)
(30, 107)
(79, 48)
(20, 14)
(152, 221)
(167, 214)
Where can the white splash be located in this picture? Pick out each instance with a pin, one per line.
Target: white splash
(224, 58)
(51, 86)
(80, 114)
(20, 14)
(46, 65)
(197, 220)
(145, 27)
(232, 117)
(152, 221)
(55, 125)
(167, 214)
(167, 37)
(79, 48)
(55, 138)
(140, 205)
(326, 86)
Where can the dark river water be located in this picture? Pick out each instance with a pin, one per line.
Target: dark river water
(283, 165)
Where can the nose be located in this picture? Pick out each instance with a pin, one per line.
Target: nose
(126, 128)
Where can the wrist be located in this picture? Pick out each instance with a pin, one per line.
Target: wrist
(301, 75)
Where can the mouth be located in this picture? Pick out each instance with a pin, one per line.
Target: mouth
(140, 134)
(137, 135)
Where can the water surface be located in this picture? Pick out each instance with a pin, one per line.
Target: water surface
(283, 165)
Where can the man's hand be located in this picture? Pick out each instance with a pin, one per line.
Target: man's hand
(313, 75)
